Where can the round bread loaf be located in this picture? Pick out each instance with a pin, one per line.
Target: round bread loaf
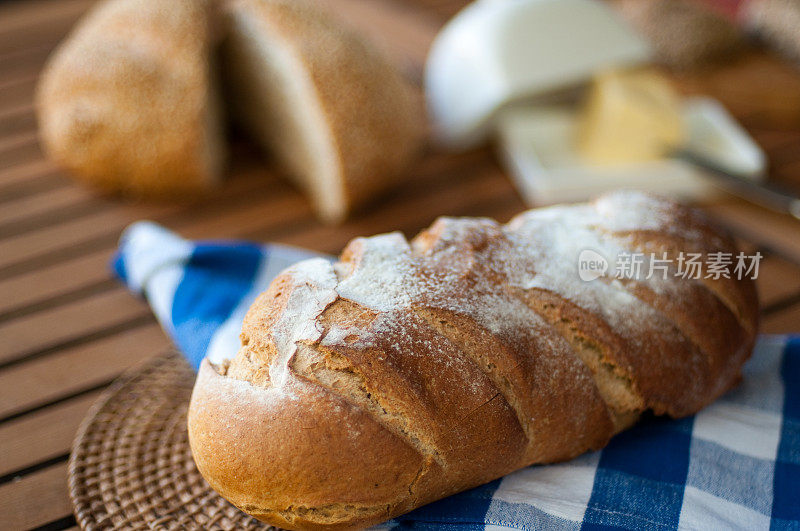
(127, 103)
(408, 371)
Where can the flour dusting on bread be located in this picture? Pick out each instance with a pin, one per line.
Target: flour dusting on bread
(314, 291)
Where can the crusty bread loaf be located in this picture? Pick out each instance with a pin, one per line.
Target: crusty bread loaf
(128, 103)
(408, 371)
(336, 115)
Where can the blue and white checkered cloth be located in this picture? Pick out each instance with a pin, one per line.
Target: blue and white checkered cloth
(734, 465)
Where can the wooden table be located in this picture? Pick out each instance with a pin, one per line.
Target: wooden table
(67, 329)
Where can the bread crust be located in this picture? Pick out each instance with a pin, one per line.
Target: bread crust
(465, 354)
(291, 449)
(127, 103)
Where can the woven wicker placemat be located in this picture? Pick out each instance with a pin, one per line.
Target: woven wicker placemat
(131, 466)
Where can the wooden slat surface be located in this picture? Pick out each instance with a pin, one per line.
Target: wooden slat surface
(71, 370)
(22, 441)
(36, 499)
(67, 329)
(780, 321)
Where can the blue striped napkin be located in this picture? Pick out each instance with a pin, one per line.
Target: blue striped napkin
(734, 465)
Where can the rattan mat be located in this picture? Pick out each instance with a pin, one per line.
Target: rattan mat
(131, 467)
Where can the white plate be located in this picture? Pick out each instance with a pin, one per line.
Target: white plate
(537, 145)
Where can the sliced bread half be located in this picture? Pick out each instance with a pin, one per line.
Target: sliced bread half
(335, 114)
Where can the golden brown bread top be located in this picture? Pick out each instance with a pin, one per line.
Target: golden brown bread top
(476, 348)
(127, 101)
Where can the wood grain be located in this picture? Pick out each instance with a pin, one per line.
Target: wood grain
(14, 91)
(75, 369)
(12, 178)
(35, 499)
(782, 322)
(16, 213)
(777, 232)
(32, 333)
(777, 279)
(22, 441)
(47, 283)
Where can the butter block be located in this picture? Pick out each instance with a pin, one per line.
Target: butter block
(630, 116)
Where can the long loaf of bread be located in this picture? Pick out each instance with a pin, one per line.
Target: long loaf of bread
(408, 371)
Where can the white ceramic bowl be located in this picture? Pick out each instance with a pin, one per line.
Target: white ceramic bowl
(495, 52)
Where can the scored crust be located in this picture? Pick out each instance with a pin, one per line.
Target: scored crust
(453, 359)
(128, 103)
